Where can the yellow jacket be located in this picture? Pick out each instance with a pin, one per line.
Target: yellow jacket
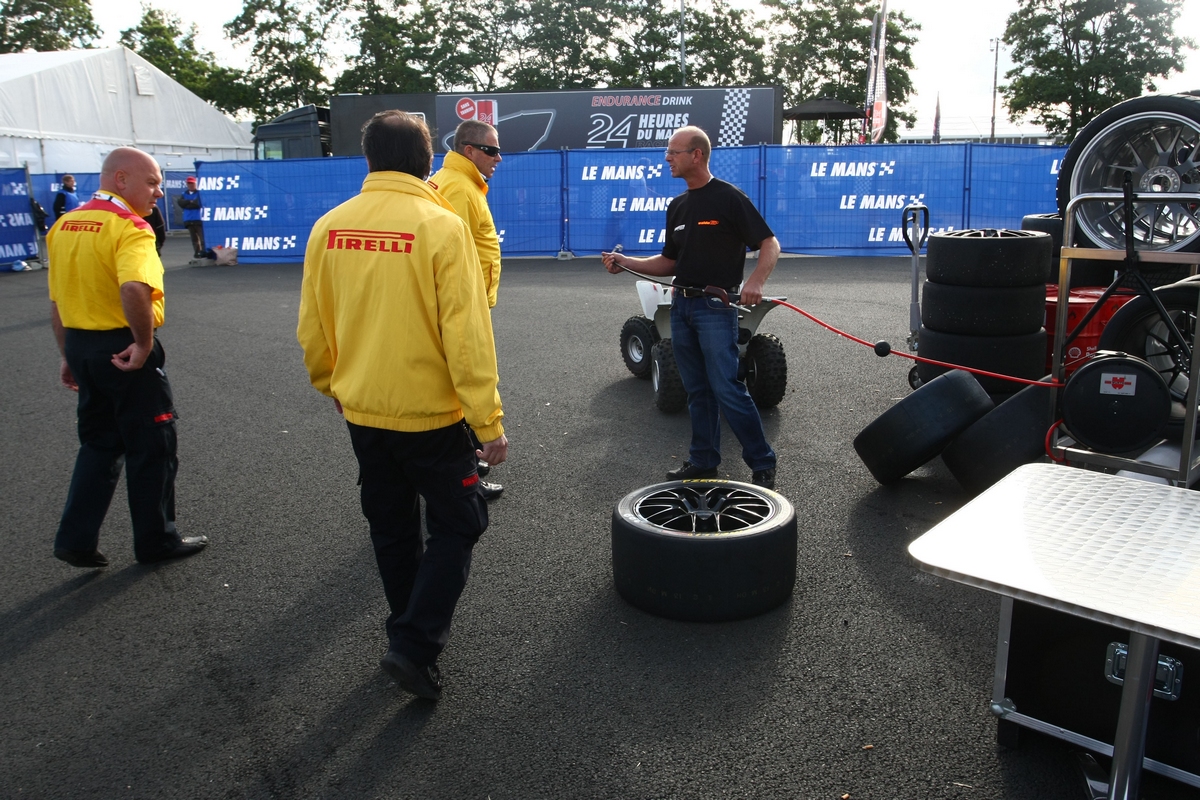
(460, 182)
(393, 318)
(96, 248)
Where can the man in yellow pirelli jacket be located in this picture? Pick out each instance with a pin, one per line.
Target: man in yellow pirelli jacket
(394, 325)
(106, 300)
(463, 180)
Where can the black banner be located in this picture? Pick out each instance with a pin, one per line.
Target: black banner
(615, 118)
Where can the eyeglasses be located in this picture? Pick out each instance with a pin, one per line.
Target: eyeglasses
(670, 153)
(486, 149)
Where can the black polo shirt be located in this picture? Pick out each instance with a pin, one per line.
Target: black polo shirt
(708, 231)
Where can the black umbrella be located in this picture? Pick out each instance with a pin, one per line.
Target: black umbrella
(823, 108)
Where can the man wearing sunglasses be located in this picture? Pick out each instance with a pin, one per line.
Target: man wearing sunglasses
(463, 181)
(709, 228)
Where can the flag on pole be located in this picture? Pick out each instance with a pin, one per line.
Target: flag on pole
(937, 120)
(879, 92)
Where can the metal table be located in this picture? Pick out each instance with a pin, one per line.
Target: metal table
(1119, 551)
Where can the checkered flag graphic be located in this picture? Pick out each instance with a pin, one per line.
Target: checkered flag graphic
(733, 118)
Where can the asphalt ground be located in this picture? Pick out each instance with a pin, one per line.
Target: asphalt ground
(251, 670)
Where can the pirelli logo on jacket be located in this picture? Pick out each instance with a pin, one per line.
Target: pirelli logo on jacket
(82, 225)
(370, 241)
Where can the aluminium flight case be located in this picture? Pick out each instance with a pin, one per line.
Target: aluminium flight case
(1054, 675)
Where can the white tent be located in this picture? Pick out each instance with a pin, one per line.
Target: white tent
(64, 111)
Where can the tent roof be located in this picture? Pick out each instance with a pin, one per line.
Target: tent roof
(823, 108)
(112, 96)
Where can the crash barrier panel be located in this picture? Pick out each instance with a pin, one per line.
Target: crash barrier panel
(818, 200)
(18, 236)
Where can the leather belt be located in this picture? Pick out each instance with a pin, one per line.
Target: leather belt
(688, 291)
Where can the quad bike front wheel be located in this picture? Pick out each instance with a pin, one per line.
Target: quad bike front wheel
(766, 370)
(638, 336)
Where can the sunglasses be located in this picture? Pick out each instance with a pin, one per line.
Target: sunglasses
(486, 149)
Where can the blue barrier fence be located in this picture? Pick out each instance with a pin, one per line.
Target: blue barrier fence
(818, 200)
(18, 237)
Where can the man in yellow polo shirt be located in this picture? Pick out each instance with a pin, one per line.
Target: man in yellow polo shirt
(394, 325)
(106, 300)
(463, 181)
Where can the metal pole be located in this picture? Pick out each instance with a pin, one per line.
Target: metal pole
(682, 58)
(995, 72)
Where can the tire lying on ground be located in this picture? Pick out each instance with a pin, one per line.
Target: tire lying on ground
(989, 257)
(766, 370)
(917, 428)
(983, 310)
(1019, 356)
(669, 394)
(704, 550)
(638, 336)
(1001, 440)
(1138, 329)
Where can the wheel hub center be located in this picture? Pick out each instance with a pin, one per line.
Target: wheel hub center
(1159, 179)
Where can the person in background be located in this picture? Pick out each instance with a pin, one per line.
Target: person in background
(193, 217)
(106, 301)
(66, 199)
(463, 180)
(155, 218)
(39, 224)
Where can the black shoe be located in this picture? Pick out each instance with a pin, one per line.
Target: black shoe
(490, 491)
(690, 471)
(188, 546)
(764, 478)
(82, 558)
(424, 682)
(483, 468)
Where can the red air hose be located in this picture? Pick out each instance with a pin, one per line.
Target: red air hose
(882, 349)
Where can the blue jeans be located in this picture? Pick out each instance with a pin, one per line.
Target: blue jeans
(704, 335)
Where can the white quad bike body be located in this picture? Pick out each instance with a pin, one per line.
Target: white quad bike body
(646, 348)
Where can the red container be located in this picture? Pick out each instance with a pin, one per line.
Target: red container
(1079, 302)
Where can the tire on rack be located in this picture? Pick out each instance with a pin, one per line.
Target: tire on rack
(669, 394)
(1157, 139)
(638, 336)
(1084, 271)
(1021, 356)
(704, 550)
(1137, 329)
(983, 310)
(918, 427)
(766, 370)
(988, 257)
(1046, 223)
(1003, 439)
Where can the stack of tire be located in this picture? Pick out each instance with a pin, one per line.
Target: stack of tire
(984, 306)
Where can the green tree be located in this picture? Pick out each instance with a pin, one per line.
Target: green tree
(289, 46)
(159, 38)
(389, 58)
(1075, 58)
(560, 45)
(646, 52)
(724, 47)
(46, 25)
(821, 48)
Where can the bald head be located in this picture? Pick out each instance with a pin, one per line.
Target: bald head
(696, 139)
(134, 176)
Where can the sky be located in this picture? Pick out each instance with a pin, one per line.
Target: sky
(952, 58)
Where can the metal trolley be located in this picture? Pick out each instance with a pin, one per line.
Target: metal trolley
(1062, 445)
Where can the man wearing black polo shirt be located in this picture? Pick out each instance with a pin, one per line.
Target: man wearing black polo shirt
(709, 228)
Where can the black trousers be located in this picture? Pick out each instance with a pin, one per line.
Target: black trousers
(422, 580)
(196, 230)
(124, 418)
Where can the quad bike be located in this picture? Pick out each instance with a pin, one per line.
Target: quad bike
(646, 348)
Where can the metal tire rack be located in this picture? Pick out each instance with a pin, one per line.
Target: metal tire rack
(1063, 446)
